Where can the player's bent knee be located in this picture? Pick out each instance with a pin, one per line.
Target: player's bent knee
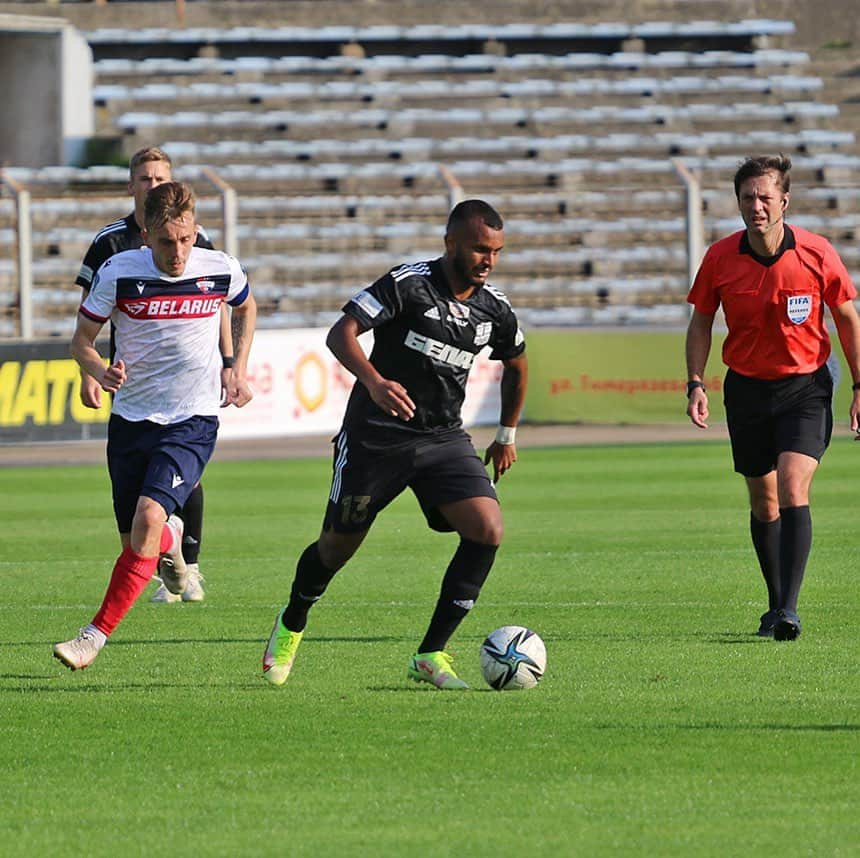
(336, 549)
(150, 515)
(485, 532)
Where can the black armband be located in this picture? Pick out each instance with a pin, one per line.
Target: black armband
(692, 385)
(227, 362)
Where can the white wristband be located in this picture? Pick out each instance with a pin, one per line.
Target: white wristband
(506, 434)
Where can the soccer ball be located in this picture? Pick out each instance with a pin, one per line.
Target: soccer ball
(513, 658)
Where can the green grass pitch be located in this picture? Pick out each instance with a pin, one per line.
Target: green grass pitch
(663, 725)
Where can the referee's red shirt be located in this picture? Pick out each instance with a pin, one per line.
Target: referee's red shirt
(774, 308)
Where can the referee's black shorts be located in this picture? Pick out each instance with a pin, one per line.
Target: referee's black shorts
(766, 418)
(368, 475)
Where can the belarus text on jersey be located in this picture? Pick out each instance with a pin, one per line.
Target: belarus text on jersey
(144, 298)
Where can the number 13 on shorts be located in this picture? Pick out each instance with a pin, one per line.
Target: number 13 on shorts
(353, 509)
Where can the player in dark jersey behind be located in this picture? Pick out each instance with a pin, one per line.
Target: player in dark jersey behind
(774, 282)
(402, 428)
(149, 168)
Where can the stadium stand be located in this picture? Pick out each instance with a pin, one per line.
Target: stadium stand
(333, 138)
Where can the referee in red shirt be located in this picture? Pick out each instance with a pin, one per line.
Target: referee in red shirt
(773, 282)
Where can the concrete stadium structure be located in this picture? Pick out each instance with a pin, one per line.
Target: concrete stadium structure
(565, 115)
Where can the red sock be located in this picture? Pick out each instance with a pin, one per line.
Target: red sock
(166, 540)
(131, 573)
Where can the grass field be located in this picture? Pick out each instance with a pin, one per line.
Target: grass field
(663, 725)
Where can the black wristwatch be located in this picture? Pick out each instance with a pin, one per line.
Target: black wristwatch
(692, 385)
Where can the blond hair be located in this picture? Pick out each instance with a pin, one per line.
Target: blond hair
(145, 155)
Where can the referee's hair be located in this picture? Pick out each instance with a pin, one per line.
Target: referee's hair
(468, 209)
(145, 155)
(167, 202)
(761, 165)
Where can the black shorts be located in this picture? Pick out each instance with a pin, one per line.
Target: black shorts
(160, 462)
(766, 418)
(368, 476)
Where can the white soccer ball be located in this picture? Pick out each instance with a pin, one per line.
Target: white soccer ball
(513, 658)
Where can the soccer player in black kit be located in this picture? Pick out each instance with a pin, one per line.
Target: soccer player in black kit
(147, 169)
(402, 428)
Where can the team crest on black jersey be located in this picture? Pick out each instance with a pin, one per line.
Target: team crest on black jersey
(459, 314)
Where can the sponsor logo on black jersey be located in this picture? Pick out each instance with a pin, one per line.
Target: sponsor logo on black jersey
(441, 352)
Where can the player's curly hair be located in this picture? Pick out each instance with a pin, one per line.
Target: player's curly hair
(167, 202)
(145, 155)
(761, 165)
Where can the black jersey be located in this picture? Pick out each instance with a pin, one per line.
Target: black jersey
(121, 235)
(427, 340)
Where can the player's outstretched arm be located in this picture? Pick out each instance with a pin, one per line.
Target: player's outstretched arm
(390, 396)
(502, 452)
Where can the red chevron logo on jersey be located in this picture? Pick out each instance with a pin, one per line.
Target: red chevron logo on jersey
(205, 285)
(135, 308)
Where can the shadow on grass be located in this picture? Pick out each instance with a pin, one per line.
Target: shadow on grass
(255, 639)
(417, 689)
(736, 638)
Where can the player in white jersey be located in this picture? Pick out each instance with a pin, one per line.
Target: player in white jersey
(162, 322)
(147, 169)
(165, 301)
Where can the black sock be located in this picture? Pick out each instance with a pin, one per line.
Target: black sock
(765, 539)
(794, 547)
(461, 585)
(310, 583)
(192, 515)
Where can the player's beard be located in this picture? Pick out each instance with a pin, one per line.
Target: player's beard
(466, 273)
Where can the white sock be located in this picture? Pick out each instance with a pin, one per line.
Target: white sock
(97, 634)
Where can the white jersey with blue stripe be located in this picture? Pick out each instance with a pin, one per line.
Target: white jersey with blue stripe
(167, 330)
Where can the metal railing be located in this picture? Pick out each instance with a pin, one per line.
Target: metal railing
(24, 239)
(229, 210)
(24, 244)
(695, 222)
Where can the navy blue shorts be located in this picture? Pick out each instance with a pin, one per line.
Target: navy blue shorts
(160, 462)
(766, 418)
(367, 477)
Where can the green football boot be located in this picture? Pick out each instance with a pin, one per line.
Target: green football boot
(435, 668)
(281, 652)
